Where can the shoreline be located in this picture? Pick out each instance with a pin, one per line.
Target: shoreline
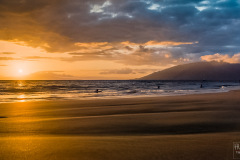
(22, 100)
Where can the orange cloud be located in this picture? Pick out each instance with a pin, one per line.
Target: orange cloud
(7, 53)
(166, 43)
(92, 44)
(156, 43)
(8, 58)
(222, 58)
(127, 43)
(48, 75)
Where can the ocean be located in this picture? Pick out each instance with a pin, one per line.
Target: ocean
(38, 90)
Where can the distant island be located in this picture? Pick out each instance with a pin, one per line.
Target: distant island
(198, 71)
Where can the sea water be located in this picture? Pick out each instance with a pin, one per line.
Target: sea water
(35, 90)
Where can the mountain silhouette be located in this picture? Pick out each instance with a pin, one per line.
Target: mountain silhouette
(198, 71)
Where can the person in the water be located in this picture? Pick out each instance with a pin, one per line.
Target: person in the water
(97, 91)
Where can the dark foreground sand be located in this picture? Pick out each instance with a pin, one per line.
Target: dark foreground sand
(187, 127)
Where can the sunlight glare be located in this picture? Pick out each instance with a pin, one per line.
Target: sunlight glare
(21, 98)
(20, 71)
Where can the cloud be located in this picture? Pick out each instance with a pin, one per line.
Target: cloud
(2, 65)
(7, 53)
(128, 71)
(130, 53)
(28, 58)
(222, 58)
(96, 29)
(34, 58)
(119, 71)
(99, 8)
(8, 58)
(49, 75)
(167, 43)
(156, 43)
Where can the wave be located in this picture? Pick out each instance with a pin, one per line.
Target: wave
(36, 90)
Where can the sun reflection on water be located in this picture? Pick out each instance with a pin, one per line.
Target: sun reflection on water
(21, 98)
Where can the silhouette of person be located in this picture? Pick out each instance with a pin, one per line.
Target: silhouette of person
(97, 91)
(201, 86)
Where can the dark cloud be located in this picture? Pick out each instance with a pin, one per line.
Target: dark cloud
(57, 26)
(177, 2)
(22, 6)
(128, 48)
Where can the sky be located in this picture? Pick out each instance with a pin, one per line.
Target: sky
(113, 39)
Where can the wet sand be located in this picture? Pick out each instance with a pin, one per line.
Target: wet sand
(178, 127)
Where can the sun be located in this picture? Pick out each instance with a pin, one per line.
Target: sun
(20, 71)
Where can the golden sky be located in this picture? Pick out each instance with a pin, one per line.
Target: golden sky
(21, 61)
(111, 39)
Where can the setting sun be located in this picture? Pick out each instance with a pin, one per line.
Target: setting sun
(20, 71)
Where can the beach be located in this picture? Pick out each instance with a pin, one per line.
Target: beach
(202, 126)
